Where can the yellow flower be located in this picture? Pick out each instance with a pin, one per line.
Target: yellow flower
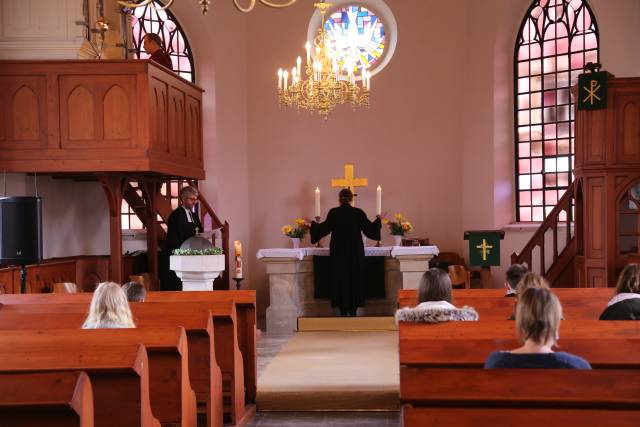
(406, 226)
(287, 229)
(385, 221)
(398, 216)
(300, 221)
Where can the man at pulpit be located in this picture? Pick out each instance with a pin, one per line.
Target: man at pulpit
(346, 225)
(153, 45)
(183, 223)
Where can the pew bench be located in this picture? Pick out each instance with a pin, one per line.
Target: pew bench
(173, 400)
(54, 399)
(522, 397)
(119, 376)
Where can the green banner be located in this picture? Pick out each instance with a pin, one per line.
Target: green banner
(484, 249)
(592, 91)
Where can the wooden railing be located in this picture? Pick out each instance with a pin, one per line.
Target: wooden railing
(561, 253)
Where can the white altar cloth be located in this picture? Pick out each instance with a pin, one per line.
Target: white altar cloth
(392, 251)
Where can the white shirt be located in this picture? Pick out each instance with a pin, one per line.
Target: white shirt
(189, 217)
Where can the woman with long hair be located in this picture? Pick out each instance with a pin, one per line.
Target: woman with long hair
(625, 304)
(109, 308)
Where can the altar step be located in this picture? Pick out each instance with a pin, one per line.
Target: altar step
(334, 324)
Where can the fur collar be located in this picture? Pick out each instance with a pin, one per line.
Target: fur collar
(426, 313)
(621, 297)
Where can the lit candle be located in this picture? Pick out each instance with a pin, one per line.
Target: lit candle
(238, 252)
(308, 47)
(379, 200)
(317, 199)
(299, 65)
(285, 76)
(280, 78)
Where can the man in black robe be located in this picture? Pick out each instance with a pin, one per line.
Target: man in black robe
(346, 223)
(183, 223)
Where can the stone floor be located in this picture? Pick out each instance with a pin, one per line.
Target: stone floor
(268, 348)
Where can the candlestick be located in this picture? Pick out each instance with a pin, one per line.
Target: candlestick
(379, 200)
(238, 280)
(299, 63)
(285, 76)
(280, 78)
(317, 200)
(308, 47)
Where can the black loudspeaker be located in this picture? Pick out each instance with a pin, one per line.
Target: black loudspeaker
(20, 230)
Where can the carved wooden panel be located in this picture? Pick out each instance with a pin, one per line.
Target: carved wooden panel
(159, 115)
(177, 122)
(194, 129)
(596, 138)
(97, 111)
(627, 128)
(595, 211)
(23, 121)
(41, 277)
(596, 277)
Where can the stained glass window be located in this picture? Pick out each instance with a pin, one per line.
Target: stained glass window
(148, 19)
(357, 35)
(556, 39)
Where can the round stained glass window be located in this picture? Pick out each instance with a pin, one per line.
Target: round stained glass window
(357, 35)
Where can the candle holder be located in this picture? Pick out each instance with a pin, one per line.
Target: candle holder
(238, 280)
(378, 244)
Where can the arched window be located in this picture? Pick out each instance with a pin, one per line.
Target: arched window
(556, 39)
(150, 19)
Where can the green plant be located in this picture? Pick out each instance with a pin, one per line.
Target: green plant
(189, 252)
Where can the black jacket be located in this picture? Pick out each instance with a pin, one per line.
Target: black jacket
(628, 309)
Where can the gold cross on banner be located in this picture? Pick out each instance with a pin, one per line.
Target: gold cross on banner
(485, 249)
(349, 181)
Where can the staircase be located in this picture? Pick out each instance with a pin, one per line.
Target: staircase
(141, 196)
(552, 250)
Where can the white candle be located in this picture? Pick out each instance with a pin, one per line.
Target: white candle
(285, 76)
(379, 200)
(299, 65)
(317, 200)
(308, 47)
(237, 245)
(280, 78)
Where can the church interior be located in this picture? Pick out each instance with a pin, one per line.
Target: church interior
(471, 136)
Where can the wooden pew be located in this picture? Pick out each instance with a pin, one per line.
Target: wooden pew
(54, 399)
(522, 397)
(204, 371)
(173, 400)
(119, 376)
(245, 301)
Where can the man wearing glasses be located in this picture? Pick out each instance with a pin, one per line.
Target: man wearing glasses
(183, 224)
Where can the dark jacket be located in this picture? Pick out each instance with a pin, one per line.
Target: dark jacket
(628, 309)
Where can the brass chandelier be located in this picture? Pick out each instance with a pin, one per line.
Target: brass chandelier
(326, 84)
(204, 4)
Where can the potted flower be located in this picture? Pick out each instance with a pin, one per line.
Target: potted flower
(296, 231)
(398, 227)
(197, 268)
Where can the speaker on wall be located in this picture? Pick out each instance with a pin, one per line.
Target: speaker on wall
(20, 230)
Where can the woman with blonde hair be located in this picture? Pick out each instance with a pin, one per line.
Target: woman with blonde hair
(538, 315)
(109, 308)
(625, 304)
(529, 280)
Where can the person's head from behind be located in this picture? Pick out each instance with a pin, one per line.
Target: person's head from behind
(135, 291)
(345, 197)
(629, 280)
(188, 196)
(151, 42)
(435, 285)
(538, 316)
(109, 307)
(531, 280)
(515, 273)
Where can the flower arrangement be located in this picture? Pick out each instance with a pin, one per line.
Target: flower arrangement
(298, 230)
(399, 226)
(189, 252)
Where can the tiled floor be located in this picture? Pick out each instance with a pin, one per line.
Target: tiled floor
(268, 348)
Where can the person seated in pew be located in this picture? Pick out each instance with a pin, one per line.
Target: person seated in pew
(528, 280)
(514, 274)
(625, 304)
(135, 291)
(538, 315)
(434, 296)
(109, 308)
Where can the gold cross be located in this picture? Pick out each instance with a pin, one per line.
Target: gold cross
(594, 87)
(349, 181)
(485, 249)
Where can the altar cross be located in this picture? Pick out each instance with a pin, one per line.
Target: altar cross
(349, 181)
